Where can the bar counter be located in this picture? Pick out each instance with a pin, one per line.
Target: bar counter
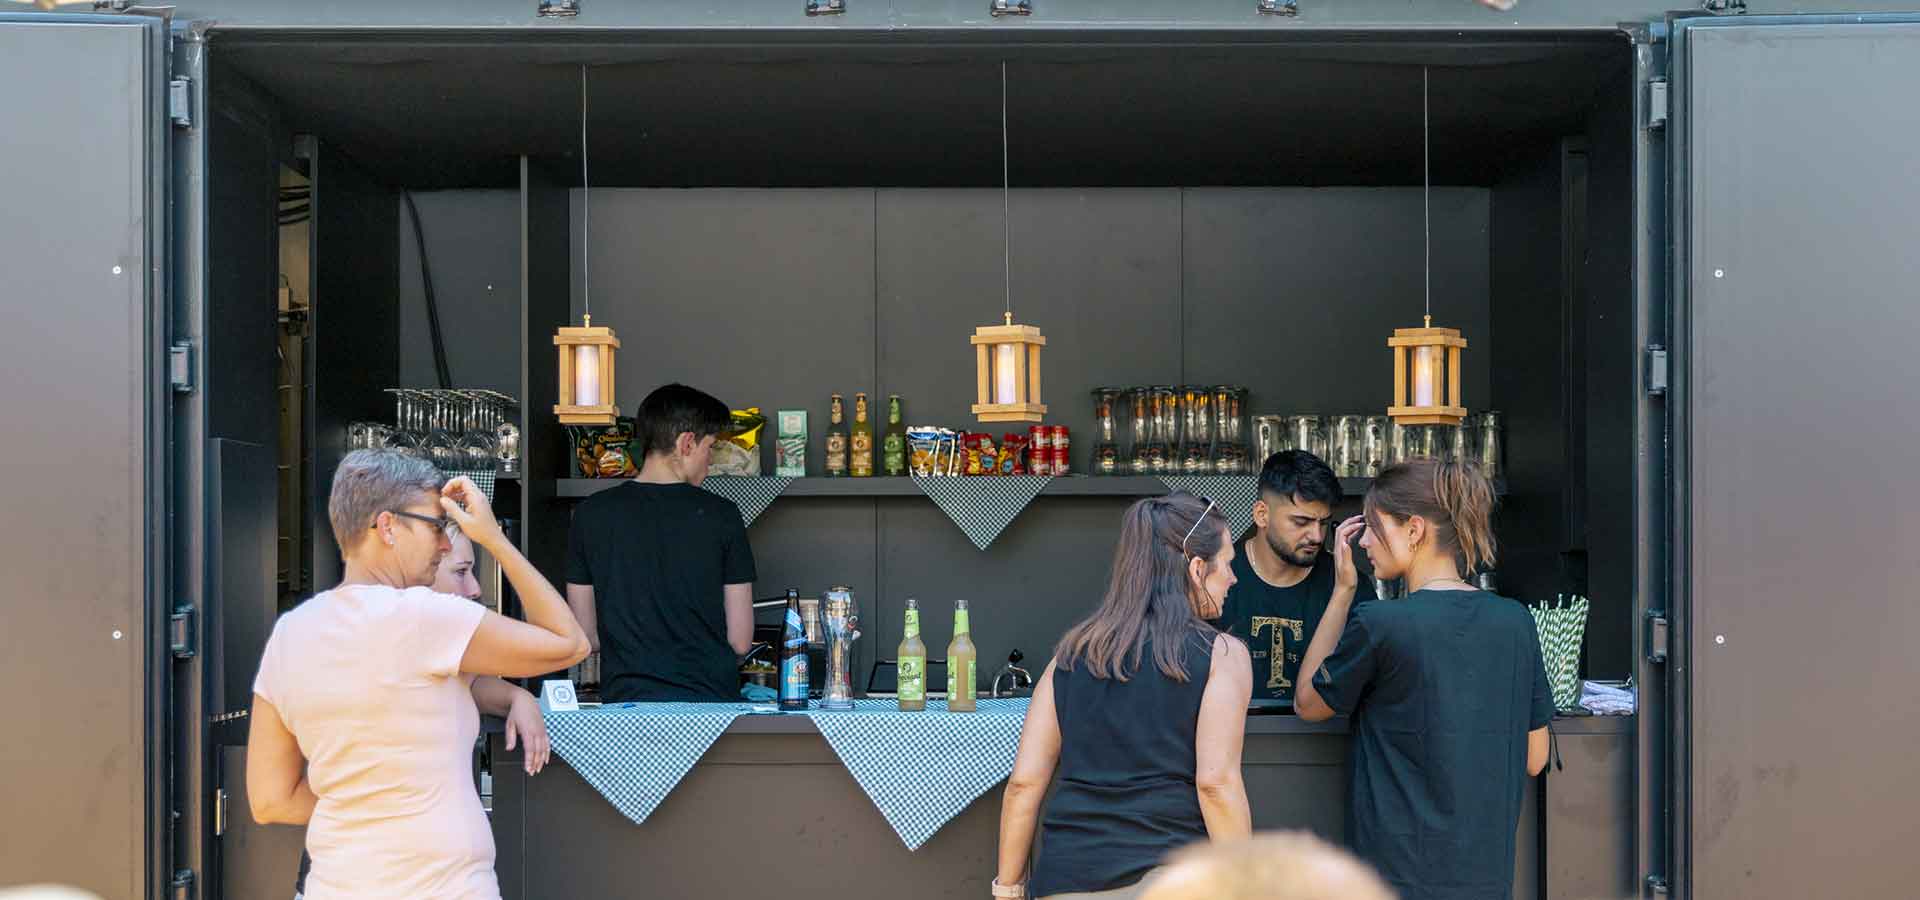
(770, 810)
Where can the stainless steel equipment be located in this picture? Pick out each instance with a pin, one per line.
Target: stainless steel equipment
(1019, 681)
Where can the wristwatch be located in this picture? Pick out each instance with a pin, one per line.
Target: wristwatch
(1009, 891)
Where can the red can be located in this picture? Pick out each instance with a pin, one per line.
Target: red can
(1062, 446)
(1040, 447)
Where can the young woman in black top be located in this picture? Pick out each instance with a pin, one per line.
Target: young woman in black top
(1142, 710)
(1446, 688)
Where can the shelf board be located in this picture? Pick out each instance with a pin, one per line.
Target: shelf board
(1068, 486)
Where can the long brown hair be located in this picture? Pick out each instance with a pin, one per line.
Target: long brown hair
(1148, 598)
(1454, 498)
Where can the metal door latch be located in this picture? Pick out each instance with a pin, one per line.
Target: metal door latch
(180, 632)
(1280, 7)
(1657, 374)
(826, 7)
(1011, 8)
(1658, 636)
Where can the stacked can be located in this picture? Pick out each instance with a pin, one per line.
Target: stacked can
(1040, 450)
(1060, 445)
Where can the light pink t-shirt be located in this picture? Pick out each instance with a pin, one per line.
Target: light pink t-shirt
(367, 679)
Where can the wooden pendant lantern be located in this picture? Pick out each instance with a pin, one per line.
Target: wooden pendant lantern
(1007, 363)
(1432, 395)
(586, 375)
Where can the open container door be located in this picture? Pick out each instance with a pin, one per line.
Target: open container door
(1794, 274)
(83, 501)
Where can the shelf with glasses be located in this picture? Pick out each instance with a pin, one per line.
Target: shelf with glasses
(1064, 486)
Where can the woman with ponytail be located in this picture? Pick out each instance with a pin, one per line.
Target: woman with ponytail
(1446, 689)
(1142, 712)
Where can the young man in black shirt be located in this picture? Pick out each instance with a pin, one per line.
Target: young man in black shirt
(659, 571)
(1285, 580)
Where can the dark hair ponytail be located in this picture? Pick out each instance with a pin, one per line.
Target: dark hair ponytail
(1454, 498)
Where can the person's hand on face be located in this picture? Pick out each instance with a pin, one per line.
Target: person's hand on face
(1345, 573)
(466, 505)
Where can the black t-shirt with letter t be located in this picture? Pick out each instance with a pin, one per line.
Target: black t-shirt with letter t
(1278, 622)
(659, 557)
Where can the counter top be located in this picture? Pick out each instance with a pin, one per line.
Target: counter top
(1258, 724)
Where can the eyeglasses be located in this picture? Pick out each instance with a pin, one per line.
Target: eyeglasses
(1196, 526)
(441, 522)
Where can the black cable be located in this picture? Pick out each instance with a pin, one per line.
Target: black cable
(433, 308)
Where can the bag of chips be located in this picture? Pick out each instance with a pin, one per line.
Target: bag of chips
(609, 452)
(737, 452)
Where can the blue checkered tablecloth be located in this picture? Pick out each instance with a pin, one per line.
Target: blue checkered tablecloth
(635, 753)
(922, 768)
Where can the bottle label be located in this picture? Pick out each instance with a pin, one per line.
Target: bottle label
(958, 689)
(896, 454)
(793, 677)
(960, 623)
(913, 623)
(913, 678)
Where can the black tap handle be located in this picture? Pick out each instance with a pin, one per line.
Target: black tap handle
(1016, 656)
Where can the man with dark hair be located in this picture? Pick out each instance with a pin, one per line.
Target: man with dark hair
(1285, 581)
(659, 571)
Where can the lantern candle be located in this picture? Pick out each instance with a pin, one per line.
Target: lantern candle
(586, 375)
(1423, 380)
(1006, 374)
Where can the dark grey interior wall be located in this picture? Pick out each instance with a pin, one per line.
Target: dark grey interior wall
(1529, 315)
(355, 330)
(1614, 396)
(779, 298)
(473, 253)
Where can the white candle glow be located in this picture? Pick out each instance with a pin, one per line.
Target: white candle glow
(1005, 377)
(586, 375)
(1423, 376)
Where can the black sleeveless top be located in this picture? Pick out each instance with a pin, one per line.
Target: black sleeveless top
(1124, 794)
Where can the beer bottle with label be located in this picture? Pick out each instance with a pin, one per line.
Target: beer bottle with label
(895, 446)
(862, 438)
(793, 657)
(913, 663)
(962, 681)
(837, 439)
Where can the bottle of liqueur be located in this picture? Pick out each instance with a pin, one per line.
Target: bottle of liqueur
(962, 681)
(894, 445)
(862, 438)
(837, 439)
(793, 657)
(913, 663)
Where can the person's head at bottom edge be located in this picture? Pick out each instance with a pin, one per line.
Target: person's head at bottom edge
(1289, 865)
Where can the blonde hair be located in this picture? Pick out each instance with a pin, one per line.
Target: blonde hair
(1288, 865)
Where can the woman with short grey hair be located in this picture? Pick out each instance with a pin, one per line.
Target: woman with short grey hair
(363, 717)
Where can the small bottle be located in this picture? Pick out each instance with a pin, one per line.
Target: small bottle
(913, 663)
(894, 448)
(793, 657)
(962, 680)
(837, 439)
(862, 438)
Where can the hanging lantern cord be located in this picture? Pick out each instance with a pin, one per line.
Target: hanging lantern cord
(1006, 205)
(586, 285)
(1426, 190)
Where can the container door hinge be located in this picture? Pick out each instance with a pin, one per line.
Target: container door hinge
(182, 884)
(1658, 629)
(180, 367)
(180, 632)
(1657, 374)
(1656, 886)
(180, 102)
(1010, 8)
(220, 812)
(1656, 103)
(1280, 7)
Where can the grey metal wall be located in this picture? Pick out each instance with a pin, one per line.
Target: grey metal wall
(80, 500)
(1799, 276)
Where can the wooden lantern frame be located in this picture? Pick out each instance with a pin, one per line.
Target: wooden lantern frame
(570, 413)
(1408, 340)
(1027, 405)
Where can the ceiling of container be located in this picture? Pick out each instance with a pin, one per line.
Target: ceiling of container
(441, 116)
